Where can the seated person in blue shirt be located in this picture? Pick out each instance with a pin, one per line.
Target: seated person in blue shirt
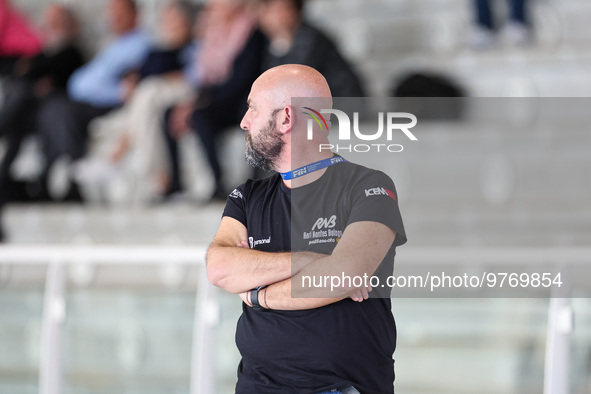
(128, 141)
(95, 88)
(99, 82)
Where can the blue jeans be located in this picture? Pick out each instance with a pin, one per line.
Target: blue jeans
(348, 390)
(484, 13)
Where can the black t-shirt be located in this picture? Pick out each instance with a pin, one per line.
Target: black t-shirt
(58, 66)
(338, 345)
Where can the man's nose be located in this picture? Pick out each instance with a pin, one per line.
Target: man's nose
(245, 124)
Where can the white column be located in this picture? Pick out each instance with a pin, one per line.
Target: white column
(206, 319)
(560, 327)
(54, 313)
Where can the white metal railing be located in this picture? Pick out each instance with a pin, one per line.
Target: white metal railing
(560, 313)
(56, 257)
(560, 316)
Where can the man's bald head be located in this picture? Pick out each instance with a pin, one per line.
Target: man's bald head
(275, 126)
(284, 82)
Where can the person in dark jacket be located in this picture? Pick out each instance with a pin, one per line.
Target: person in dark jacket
(294, 41)
(38, 80)
(229, 60)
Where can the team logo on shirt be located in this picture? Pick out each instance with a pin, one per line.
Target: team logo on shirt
(380, 191)
(256, 242)
(323, 231)
(325, 223)
(236, 194)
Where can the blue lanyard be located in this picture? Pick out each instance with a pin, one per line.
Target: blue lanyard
(319, 165)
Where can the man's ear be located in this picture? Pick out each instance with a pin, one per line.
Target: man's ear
(285, 120)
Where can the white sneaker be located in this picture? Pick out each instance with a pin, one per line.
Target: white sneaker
(481, 39)
(58, 179)
(516, 34)
(96, 171)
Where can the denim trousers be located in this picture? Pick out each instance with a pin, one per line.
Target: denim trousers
(348, 390)
(484, 13)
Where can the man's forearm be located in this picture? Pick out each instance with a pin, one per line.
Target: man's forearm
(311, 287)
(238, 269)
(359, 253)
(278, 296)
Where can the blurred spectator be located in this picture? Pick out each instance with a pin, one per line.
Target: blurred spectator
(95, 88)
(36, 82)
(293, 41)
(129, 141)
(517, 32)
(228, 63)
(17, 38)
(100, 82)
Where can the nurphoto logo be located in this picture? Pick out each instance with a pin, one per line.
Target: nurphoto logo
(388, 122)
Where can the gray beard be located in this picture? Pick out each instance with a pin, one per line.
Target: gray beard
(265, 150)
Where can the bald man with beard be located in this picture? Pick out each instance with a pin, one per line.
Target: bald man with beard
(318, 222)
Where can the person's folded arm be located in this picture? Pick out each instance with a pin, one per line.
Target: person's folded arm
(359, 252)
(237, 269)
(95, 85)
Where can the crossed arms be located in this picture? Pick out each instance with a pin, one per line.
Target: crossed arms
(237, 269)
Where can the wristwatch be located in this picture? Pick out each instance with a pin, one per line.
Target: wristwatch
(254, 299)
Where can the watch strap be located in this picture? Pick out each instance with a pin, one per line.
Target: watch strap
(254, 299)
